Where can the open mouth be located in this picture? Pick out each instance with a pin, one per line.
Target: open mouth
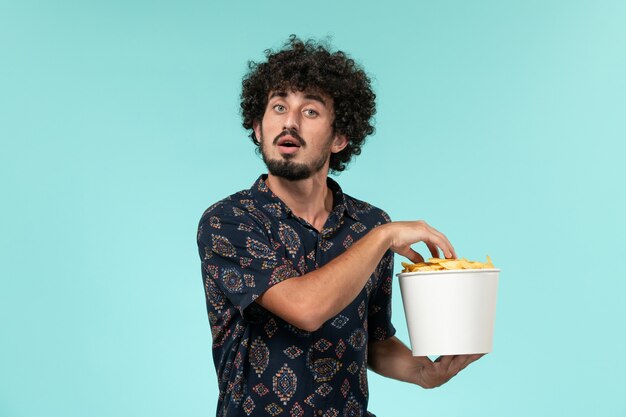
(288, 144)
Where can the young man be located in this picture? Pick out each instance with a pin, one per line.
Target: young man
(298, 274)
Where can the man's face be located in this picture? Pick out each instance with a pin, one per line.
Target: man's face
(296, 134)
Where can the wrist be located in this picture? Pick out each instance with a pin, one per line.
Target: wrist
(385, 235)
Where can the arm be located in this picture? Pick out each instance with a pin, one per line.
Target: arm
(310, 300)
(391, 358)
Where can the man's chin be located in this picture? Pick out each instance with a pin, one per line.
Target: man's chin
(288, 170)
(285, 167)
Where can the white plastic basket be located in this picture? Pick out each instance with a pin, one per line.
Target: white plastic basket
(450, 312)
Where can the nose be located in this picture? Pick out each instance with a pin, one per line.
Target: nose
(292, 120)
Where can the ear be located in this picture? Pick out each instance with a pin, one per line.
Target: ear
(339, 143)
(256, 126)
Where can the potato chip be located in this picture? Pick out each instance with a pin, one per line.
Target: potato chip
(451, 265)
(438, 260)
(440, 264)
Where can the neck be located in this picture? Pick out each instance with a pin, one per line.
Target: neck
(309, 199)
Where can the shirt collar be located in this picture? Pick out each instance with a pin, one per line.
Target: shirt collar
(273, 205)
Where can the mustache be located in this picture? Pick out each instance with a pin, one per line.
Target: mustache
(293, 134)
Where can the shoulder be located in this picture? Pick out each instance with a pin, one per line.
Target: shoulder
(366, 212)
(237, 212)
(233, 205)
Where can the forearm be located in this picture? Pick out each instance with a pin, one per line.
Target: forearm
(310, 300)
(392, 359)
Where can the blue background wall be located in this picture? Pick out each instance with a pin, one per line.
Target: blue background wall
(500, 123)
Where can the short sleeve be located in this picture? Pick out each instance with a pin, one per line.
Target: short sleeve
(239, 260)
(379, 311)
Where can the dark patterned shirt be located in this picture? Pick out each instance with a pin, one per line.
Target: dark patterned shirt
(266, 366)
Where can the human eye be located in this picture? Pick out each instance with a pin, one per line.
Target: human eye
(279, 108)
(311, 113)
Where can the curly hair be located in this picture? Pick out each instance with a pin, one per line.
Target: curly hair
(310, 66)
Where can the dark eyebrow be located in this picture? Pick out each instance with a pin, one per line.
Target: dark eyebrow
(315, 97)
(278, 94)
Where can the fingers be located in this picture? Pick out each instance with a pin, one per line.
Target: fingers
(445, 360)
(460, 362)
(434, 251)
(423, 360)
(408, 233)
(454, 364)
(440, 240)
(446, 246)
(444, 368)
(412, 255)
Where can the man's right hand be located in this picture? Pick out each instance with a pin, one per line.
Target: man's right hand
(403, 234)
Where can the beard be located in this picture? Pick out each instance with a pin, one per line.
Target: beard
(284, 167)
(293, 171)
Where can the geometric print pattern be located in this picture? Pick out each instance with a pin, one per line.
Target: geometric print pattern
(285, 383)
(251, 241)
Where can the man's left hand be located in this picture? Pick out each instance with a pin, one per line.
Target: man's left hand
(431, 374)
